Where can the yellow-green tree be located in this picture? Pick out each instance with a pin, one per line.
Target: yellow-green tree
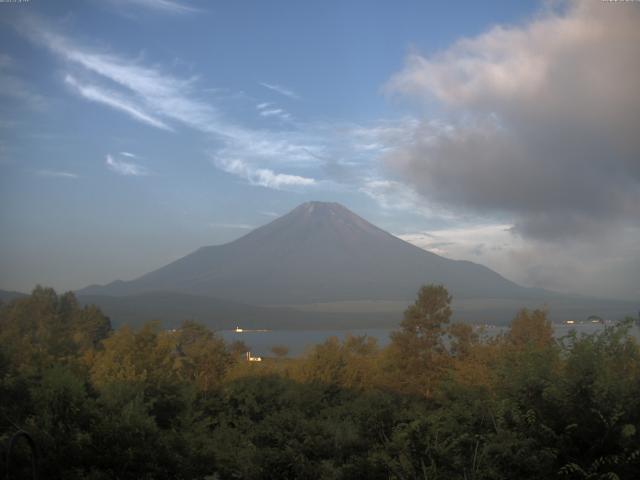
(417, 353)
(203, 356)
(530, 328)
(45, 328)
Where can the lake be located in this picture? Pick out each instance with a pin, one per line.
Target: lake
(298, 341)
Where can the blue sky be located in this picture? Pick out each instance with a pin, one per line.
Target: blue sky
(133, 132)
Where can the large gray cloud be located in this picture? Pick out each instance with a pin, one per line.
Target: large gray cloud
(547, 122)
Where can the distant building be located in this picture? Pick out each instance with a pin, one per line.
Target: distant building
(253, 359)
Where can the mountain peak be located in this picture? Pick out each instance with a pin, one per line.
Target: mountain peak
(331, 214)
(318, 252)
(317, 207)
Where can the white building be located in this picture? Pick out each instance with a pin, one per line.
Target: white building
(253, 359)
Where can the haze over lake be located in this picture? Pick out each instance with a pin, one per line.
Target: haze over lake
(301, 341)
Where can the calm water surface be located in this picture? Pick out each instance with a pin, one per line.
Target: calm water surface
(299, 341)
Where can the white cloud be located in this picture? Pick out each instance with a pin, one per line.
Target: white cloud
(271, 112)
(232, 226)
(281, 90)
(543, 134)
(163, 94)
(468, 242)
(268, 109)
(57, 174)
(125, 168)
(275, 112)
(547, 122)
(269, 214)
(393, 195)
(607, 273)
(390, 194)
(150, 92)
(263, 177)
(128, 154)
(163, 6)
(156, 97)
(115, 101)
(382, 136)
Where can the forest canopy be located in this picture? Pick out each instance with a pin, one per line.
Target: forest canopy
(441, 401)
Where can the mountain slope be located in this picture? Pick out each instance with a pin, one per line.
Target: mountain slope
(7, 296)
(319, 252)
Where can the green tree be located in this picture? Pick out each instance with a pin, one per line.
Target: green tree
(205, 356)
(531, 328)
(44, 328)
(417, 350)
(463, 339)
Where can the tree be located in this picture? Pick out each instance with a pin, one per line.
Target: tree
(207, 357)
(44, 328)
(90, 327)
(463, 338)
(531, 329)
(418, 349)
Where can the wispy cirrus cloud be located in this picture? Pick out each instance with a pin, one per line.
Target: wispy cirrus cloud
(383, 135)
(150, 94)
(269, 214)
(157, 98)
(270, 110)
(232, 226)
(263, 177)
(161, 6)
(115, 101)
(392, 195)
(281, 90)
(274, 112)
(128, 169)
(56, 174)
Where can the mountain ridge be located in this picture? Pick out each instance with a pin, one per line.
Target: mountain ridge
(317, 252)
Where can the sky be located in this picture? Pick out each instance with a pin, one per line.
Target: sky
(133, 132)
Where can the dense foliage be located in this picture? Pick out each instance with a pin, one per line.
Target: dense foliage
(440, 402)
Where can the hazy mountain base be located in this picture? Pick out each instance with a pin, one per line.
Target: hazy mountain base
(7, 295)
(490, 310)
(172, 308)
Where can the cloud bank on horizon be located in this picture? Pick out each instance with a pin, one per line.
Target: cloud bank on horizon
(516, 148)
(546, 122)
(545, 134)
